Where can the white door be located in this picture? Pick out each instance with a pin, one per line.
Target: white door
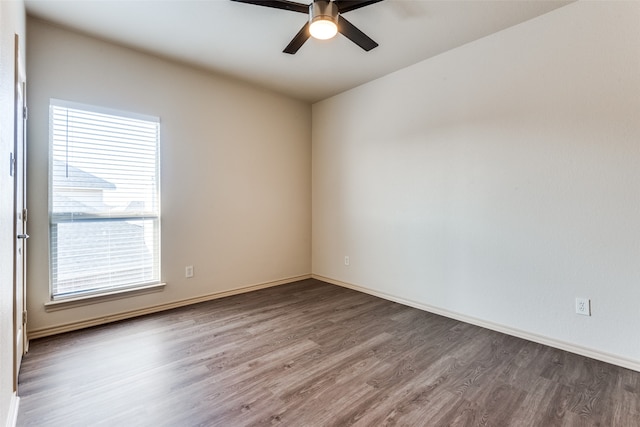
(20, 215)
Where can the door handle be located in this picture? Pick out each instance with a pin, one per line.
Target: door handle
(23, 236)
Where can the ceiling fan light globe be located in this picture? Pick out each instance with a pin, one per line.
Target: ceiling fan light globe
(323, 29)
(323, 19)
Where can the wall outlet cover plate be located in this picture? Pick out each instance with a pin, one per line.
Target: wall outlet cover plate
(583, 306)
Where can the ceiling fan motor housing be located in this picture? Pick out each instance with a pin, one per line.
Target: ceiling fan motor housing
(323, 10)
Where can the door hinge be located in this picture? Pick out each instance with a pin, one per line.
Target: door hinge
(12, 164)
(25, 112)
(24, 317)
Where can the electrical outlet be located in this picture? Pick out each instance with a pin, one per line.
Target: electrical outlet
(346, 260)
(188, 271)
(583, 306)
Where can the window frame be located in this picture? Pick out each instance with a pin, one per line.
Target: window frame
(54, 219)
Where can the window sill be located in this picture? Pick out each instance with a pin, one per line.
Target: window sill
(64, 304)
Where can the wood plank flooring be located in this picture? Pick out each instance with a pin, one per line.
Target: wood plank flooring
(314, 354)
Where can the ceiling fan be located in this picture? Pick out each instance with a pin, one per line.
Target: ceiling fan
(325, 20)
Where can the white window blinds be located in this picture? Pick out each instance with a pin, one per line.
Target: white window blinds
(104, 200)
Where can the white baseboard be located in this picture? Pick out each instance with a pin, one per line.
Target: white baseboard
(551, 342)
(68, 327)
(12, 416)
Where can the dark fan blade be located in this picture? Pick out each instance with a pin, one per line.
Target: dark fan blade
(348, 5)
(351, 32)
(278, 4)
(298, 40)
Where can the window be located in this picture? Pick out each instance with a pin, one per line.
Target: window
(104, 200)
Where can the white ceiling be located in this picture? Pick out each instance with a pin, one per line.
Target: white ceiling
(246, 41)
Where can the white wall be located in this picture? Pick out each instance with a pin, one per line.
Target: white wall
(235, 169)
(496, 182)
(12, 21)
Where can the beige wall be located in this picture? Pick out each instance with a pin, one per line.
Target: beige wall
(235, 169)
(496, 182)
(12, 21)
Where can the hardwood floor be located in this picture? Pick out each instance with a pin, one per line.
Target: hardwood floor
(314, 354)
